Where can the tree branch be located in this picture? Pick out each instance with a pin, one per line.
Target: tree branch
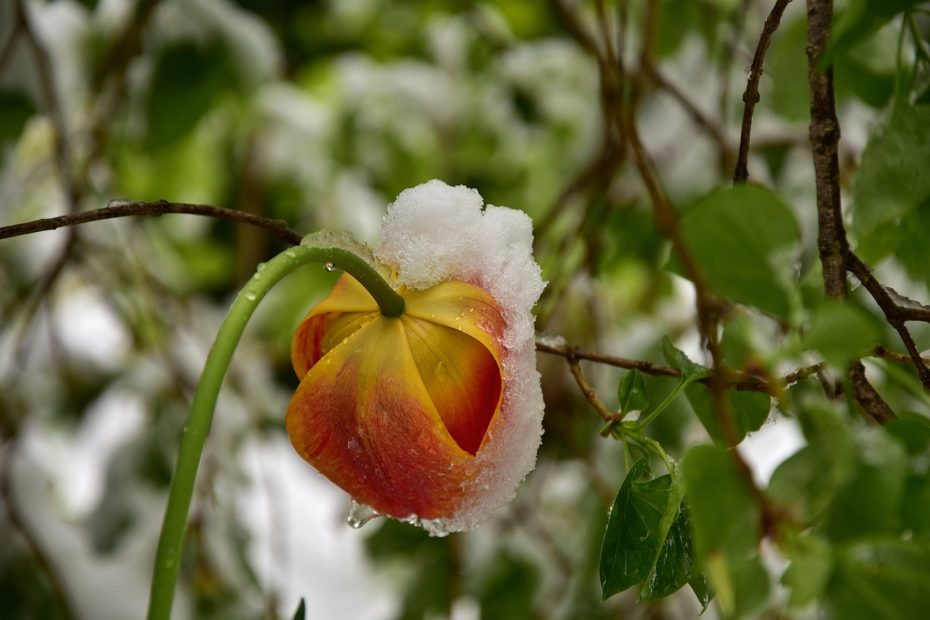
(897, 310)
(751, 94)
(278, 228)
(831, 240)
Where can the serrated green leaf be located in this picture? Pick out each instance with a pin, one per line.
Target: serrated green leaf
(632, 392)
(739, 237)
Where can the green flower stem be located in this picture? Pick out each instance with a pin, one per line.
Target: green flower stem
(168, 555)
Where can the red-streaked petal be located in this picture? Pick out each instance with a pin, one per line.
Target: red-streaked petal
(363, 418)
(462, 377)
(346, 309)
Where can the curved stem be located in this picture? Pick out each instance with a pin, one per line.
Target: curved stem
(168, 555)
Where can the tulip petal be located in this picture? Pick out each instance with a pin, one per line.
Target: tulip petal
(461, 306)
(364, 419)
(462, 376)
(346, 309)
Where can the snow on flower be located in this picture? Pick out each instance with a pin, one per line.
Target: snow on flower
(434, 416)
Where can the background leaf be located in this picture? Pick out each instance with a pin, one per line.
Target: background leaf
(737, 235)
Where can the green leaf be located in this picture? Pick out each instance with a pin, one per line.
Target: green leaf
(881, 581)
(807, 481)
(509, 586)
(633, 537)
(892, 181)
(859, 20)
(870, 502)
(749, 410)
(810, 570)
(632, 392)
(789, 96)
(739, 237)
(690, 372)
(15, 110)
(676, 358)
(675, 564)
(701, 588)
(841, 332)
(724, 512)
(726, 529)
(301, 612)
(186, 82)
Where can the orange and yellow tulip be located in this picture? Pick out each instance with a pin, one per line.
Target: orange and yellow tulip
(396, 411)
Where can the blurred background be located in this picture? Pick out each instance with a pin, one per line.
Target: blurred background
(319, 113)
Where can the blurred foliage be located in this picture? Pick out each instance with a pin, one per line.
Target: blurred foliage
(319, 113)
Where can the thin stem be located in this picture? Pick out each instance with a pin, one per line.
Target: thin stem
(168, 555)
(159, 207)
(751, 94)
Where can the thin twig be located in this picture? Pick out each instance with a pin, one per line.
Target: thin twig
(589, 393)
(897, 310)
(736, 381)
(751, 94)
(832, 242)
(278, 228)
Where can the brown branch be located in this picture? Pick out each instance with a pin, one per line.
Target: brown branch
(576, 30)
(831, 240)
(278, 228)
(897, 310)
(589, 393)
(751, 94)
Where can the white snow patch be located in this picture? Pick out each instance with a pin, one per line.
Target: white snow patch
(300, 545)
(767, 448)
(434, 232)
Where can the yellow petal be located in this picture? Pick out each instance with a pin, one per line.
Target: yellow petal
(461, 306)
(346, 309)
(462, 377)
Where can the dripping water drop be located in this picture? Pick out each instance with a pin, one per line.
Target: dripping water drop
(359, 515)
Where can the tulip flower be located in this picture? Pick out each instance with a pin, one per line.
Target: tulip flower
(433, 415)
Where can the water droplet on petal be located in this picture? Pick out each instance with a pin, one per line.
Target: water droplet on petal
(359, 515)
(328, 266)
